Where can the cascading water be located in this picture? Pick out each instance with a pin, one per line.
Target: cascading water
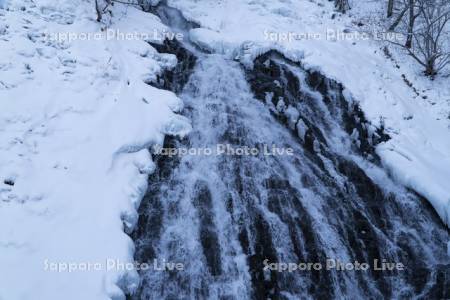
(224, 217)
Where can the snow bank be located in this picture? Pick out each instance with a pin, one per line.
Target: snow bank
(421, 162)
(418, 154)
(76, 119)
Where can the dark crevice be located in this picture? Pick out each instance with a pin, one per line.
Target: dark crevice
(9, 182)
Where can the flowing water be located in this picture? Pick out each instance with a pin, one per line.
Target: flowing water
(225, 216)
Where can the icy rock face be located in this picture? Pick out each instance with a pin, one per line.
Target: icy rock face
(223, 216)
(174, 79)
(325, 99)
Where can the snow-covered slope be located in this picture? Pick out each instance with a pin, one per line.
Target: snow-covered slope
(76, 119)
(418, 154)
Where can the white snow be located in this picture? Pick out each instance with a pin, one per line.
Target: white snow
(301, 129)
(292, 115)
(74, 133)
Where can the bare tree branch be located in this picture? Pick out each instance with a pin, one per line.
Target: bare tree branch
(427, 24)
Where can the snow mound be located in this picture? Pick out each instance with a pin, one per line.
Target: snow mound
(76, 121)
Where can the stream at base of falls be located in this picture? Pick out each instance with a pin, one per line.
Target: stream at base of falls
(240, 208)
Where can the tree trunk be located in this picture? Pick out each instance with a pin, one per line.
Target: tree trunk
(430, 69)
(412, 18)
(98, 10)
(399, 19)
(390, 8)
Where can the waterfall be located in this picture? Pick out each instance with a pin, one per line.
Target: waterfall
(240, 201)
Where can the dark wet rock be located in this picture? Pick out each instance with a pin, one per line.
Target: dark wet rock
(272, 74)
(174, 79)
(208, 236)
